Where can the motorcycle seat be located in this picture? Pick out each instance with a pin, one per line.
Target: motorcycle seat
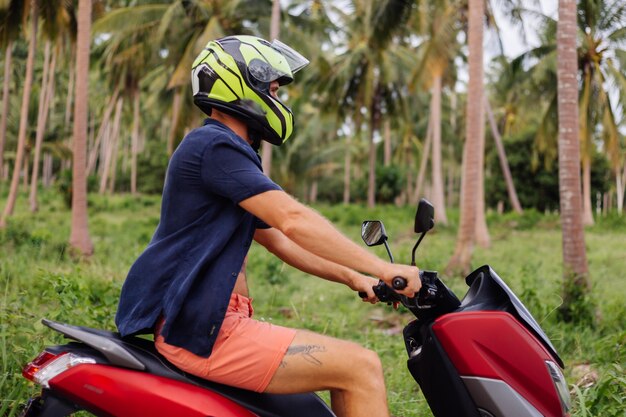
(140, 354)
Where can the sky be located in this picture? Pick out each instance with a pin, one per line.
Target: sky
(513, 43)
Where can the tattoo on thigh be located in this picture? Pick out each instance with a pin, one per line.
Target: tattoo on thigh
(306, 351)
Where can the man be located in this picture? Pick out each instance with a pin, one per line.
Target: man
(189, 285)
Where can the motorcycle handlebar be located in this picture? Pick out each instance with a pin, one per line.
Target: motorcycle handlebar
(423, 299)
(399, 283)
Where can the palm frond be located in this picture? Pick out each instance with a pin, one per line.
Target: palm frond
(127, 19)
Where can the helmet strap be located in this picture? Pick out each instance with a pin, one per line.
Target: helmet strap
(255, 136)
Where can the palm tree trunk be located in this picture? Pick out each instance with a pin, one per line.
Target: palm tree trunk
(375, 116)
(406, 146)
(347, 166)
(70, 90)
(461, 258)
(451, 184)
(8, 54)
(102, 132)
(437, 173)
(575, 267)
(313, 192)
(47, 83)
(387, 140)
(134, 145)
(79, 235)
(117, 138)
(21, 138)
(620, 186)
(419, 182)
(47, 169)
(111, 147)
(266, 147)
(482, 233)
(347, 170)
(504, 164)
(587, 206)
(26, 169)
(371, 176)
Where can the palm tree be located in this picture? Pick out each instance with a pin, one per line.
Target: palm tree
(47, 85)
(600, 28)
(57, 17)
(440, 23)
(474, 142)
(504, 165)
(575, 268)
(10, 23)
(506, 111)
(176, 32)
(365, 80)
(79, 235)
(601, 24)
(266, 151)
(21, 140)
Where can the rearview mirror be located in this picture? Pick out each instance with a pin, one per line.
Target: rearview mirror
(373, 232)
(425, 216)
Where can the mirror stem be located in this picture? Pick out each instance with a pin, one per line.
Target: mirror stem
(388, 251)
(415, 248)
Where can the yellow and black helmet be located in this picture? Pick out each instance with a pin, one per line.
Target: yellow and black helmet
(233, 74)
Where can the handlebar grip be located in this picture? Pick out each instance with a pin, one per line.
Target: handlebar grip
(399, 283)
(362, 294)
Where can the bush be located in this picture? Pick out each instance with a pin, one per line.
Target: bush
(64, 184)
(389, 185)
(606, 398)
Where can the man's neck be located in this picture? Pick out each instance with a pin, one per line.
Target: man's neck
(236, 125)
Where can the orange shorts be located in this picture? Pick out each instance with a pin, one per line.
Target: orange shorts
(246, 352)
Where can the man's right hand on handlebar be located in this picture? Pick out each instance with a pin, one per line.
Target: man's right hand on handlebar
(410, 273)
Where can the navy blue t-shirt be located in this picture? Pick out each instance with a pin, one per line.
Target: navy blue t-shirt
(189, 269)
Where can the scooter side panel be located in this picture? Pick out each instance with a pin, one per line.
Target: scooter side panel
(111, 391)
(499, 398)
(492, 344)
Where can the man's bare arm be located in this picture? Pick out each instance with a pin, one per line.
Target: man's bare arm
(291, 253)
(315, 234)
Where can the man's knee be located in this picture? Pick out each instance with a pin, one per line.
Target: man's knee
(369, 369)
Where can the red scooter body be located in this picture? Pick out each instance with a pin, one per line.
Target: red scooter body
(493, 346)
(108, 375)
(484, 356)
(106, 390)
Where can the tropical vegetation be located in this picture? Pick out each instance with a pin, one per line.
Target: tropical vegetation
(399, 102)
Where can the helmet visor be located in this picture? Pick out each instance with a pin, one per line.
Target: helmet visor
(295, 61)
(283, 68)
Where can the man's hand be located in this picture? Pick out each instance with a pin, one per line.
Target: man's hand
(410, 273)
(365, 284)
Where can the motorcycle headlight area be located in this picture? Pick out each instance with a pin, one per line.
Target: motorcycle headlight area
(47, 365)
(561, 385)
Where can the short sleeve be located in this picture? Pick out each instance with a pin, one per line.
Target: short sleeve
(260, 224)
(233, 171)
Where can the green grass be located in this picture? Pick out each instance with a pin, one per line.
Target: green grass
(39, 279)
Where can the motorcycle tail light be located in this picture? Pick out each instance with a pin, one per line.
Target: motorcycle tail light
(561, 386)
(48, 365)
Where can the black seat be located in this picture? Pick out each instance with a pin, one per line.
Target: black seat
(264, 405)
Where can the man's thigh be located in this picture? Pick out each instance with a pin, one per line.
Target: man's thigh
(315, 362)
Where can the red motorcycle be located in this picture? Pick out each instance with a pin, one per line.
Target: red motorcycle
(484, 356)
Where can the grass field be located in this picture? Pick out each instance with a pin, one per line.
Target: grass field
(39, 279)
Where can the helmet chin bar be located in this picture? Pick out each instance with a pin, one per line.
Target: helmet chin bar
(246, 113)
